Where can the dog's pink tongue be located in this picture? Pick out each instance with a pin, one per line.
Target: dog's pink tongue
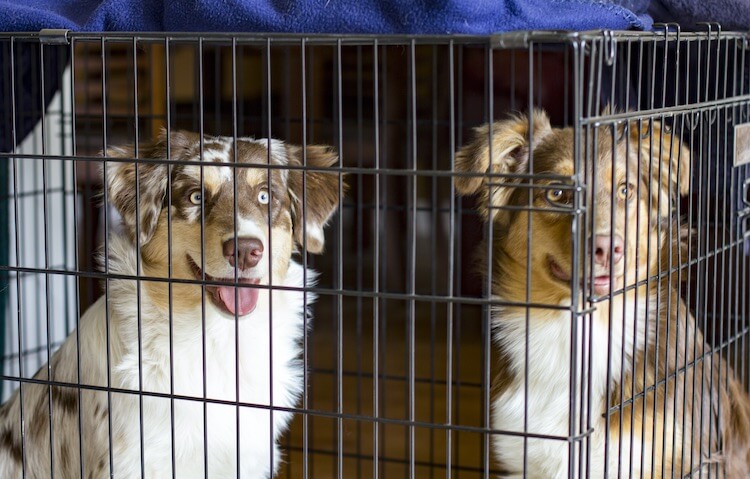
(244, 299)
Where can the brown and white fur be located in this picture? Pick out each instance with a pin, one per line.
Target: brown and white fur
(180, 321)
(657, 389)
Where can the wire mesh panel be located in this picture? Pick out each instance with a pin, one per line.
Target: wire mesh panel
(40, 195)
(522, 255)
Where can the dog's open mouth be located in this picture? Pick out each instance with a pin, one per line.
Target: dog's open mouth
(231, 299)
(601, 283)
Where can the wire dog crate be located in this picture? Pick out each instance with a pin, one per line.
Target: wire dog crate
(400, 365)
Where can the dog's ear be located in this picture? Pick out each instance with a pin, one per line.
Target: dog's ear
(509, 154)
(314, 193)
(151, 180)
(665, 163)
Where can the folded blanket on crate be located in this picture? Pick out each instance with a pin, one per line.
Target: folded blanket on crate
(731, 14)
(324, 16)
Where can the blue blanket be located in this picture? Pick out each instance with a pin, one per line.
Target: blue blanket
(323, 16)
(731, 14)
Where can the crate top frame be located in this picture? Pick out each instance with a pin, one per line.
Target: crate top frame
(517, 39)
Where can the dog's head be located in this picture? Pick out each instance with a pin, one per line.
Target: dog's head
(633, 177)
(218, 219)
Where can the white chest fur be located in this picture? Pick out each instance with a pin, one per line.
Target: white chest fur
(548, 396)
(254, 361)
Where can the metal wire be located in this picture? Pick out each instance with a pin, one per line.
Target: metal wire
(404, 361)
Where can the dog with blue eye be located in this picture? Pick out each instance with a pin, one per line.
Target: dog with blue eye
(634, 377)
(198, 338)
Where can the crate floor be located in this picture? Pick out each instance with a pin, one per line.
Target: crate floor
(329, 447)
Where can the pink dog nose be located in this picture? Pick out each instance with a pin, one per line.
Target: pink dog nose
(603, 246)
(249, 252)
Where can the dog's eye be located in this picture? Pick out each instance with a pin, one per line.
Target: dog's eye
(555, 196)
(263, 197)
(196, 197)
(625, 191)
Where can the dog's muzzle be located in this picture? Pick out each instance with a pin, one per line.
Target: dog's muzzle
(232, 300)
(247, 253)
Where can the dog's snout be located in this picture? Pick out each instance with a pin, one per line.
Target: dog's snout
(249, 252)
(604, 245)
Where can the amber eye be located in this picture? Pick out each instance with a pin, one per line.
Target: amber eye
(555, 196)
(196, 198)
(263, 197)
(625, 191)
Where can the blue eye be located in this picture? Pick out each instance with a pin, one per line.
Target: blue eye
(196, 198)
(263, 197)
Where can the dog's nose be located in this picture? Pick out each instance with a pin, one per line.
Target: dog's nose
(606, 244)
(249, 252)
